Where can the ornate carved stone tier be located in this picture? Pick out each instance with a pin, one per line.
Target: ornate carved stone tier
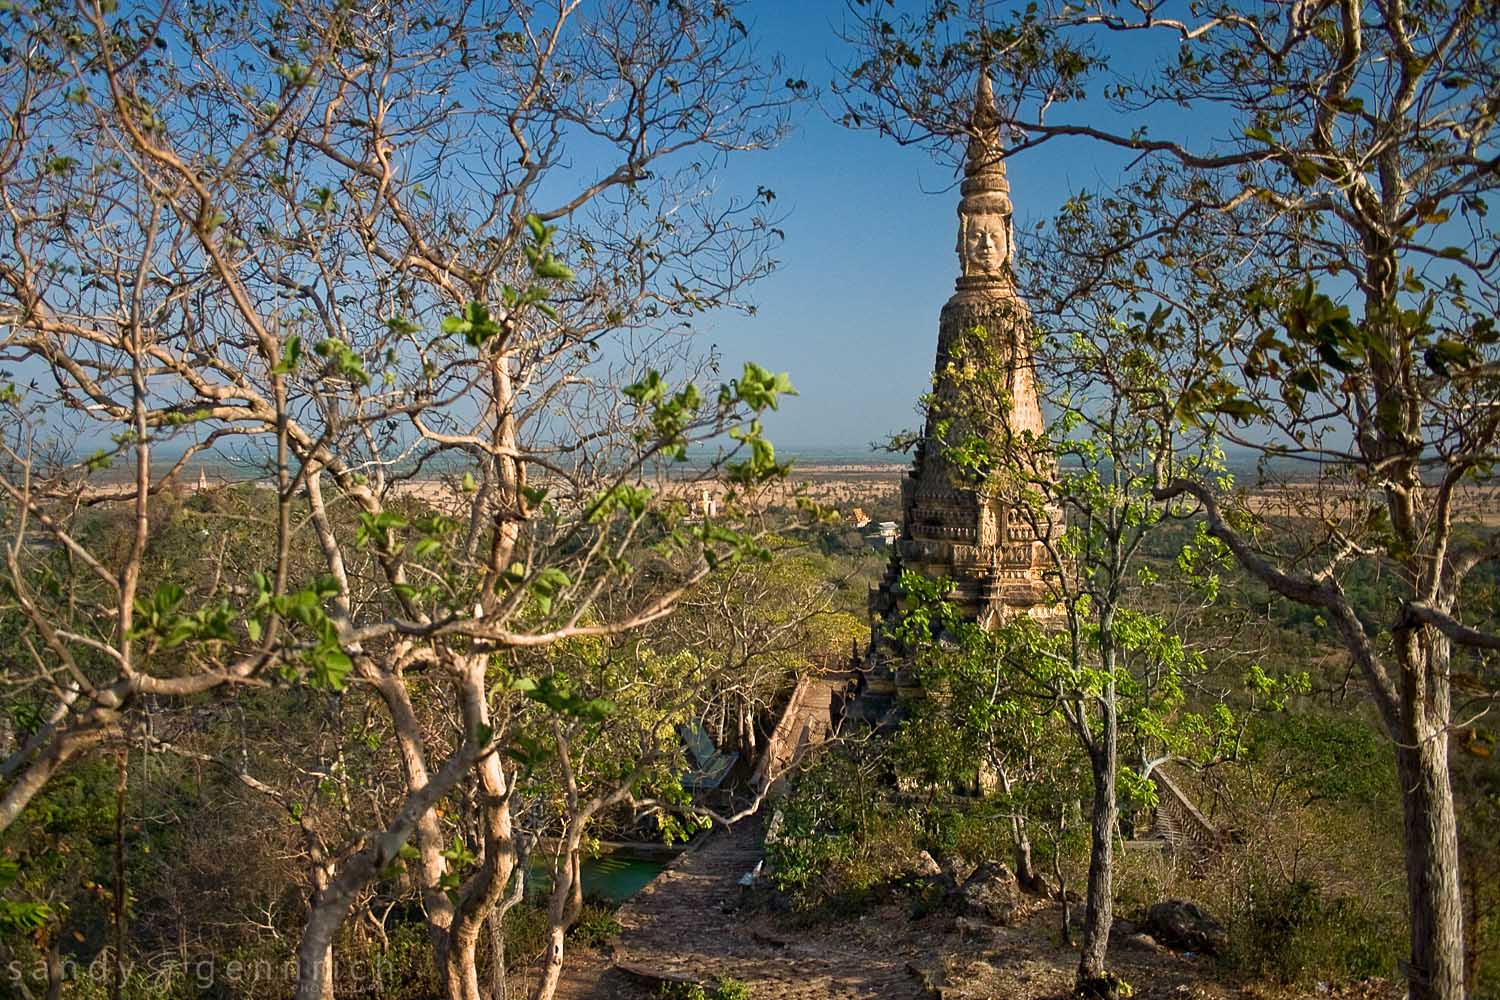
(990, 551)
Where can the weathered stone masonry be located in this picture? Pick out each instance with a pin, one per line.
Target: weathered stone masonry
(993, 556)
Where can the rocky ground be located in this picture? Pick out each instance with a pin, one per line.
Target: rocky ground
(931, 937)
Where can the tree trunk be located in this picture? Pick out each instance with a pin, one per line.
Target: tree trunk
(315, 953)
(458, 951)
(462, 968)
(332, 903)
(747, 730)
(1435, 969)
(38, 770)
(1065, 919)
(1473, 925)
(562, 910)
(55, 970)
(1066, 929)
(1026, 873)
(327, 983)
(1420, 700)
(1100, 908)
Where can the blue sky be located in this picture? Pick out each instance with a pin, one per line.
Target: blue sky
(868, 259)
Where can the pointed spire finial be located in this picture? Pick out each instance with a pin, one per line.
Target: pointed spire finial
(984, 209)
(985, 115)
(984, 171)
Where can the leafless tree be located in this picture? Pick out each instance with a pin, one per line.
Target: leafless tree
(1309, 183)
(429, 273)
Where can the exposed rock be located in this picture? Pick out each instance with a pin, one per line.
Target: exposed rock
(925, 864)
(970, 929)
(931, 982)
(989, 871)
(657, 976)
(1140, 942)
(1183, 925)
(767, 939)
(993, 899)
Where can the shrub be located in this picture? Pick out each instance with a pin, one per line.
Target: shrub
(596, 926)
(1291, 933)
(726, 988)
(840, 835)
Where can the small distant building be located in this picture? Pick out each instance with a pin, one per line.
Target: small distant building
(883, 535)
(204, 484)
(708, 504)
(860, 517)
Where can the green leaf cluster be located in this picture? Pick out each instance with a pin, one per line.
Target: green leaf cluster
(158, 615)
(560, 694)
(343, 361)
(324, 657)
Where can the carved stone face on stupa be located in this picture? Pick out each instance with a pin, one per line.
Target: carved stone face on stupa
(983, 244)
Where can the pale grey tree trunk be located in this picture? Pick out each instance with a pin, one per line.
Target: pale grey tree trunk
(1436, 966)
(562, 910)
(1434, 893)
(1103, 760)
(1026, 875)
(1099, 911)
(333, 902)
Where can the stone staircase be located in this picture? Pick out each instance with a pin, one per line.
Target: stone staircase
(1178, 821)
(807, 721)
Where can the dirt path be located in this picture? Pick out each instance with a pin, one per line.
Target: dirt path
(687, 924)
(683, 925)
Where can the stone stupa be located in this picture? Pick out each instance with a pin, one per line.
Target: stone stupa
(953, 530)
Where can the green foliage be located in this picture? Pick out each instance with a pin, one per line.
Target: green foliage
(828, 841)
(19, 917)
(1308, 342)
(295, 294)
(596, 926)
(377, 528)
(342, 361)
(478, 325)
(724, 988)
(158, 616)
(291, 355)
(53, 856)
(1335, 758)
(1012, 675)
(671, 415)
(475, 323)
(406, 965)
(1293, 933)
(759, 388)
(558, 693)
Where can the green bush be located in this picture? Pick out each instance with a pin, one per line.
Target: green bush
(596, 926)
(525, 932)
(843, 832)
(726, 988)
(406, 965)
(1292, 934)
